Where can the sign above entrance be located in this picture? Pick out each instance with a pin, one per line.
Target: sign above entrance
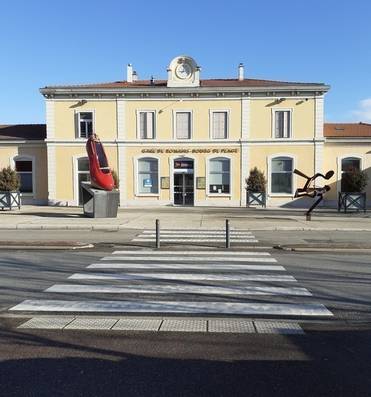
(183, 164)
(184, 151)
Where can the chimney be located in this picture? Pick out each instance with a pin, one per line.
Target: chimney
(129, 73)
(240, 72)
(135, 76)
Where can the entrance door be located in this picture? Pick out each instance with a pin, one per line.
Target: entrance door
(83, 175)
(183, 189)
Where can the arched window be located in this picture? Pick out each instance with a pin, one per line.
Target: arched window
(25, 169)
(281, 175)
(148, 176)
(219, 175)
(348, 166)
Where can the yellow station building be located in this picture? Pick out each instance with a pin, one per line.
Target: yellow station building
(186, 140)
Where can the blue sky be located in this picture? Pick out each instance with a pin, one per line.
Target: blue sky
(69, 42)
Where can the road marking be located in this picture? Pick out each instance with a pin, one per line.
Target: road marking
(182, 276)
(189, 259)
(205, 240)
(177, 289)
(199, 235)
(183, 232)
(185, 307)
(184, 266)
(192, 253)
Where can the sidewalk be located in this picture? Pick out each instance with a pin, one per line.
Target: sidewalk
(71, 218)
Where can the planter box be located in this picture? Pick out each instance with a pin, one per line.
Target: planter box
(352, 201)
(256, 198)
(10, 200)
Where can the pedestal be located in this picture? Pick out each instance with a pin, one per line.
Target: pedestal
(99, 203)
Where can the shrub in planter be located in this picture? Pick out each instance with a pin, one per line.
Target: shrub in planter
(255, 187)
(9, 188)
(352, 195)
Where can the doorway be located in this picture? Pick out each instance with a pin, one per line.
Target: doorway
(183, 182)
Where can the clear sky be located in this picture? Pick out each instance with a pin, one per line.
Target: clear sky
(46, 42)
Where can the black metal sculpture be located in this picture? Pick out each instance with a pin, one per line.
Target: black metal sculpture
(313, 192)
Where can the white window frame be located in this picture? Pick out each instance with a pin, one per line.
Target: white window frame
(77, 121)
(274, 111)
(26, 157)
(154, 112)
(75, 169)
(174, 124)
(211, 116)
(207, 168)
(136, 176)
(269, 174)
(339, 167)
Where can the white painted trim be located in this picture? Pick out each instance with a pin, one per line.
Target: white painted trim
(121, 118)
(207, 170)
(273, 122)
(339, 172)
(122, 173)
(350, 140)
(269, 174)
(174, 124)
(75, 178)
(245, 117)
(318, 157)
(27, 157)
(245, 170)
(137, 112)
(77, 123)
(318, 116)
(52, 173)
(50, 118)
(136, 178)
(211, 132)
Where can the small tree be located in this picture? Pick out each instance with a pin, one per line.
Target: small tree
(115, 179)
(354, 181)
(9, 180)
(256, 181)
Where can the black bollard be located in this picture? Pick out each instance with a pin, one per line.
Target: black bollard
(227, 236)
(157, 233)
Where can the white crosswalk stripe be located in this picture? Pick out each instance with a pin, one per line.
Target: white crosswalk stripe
(193, 282)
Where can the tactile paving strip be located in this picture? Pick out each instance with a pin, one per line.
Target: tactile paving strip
(184, 325)
(232, 326)
(92, 323)
(47, 322)
(278, 327)
(137, 324)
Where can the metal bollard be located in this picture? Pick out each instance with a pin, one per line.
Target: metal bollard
(157, 233)
(227, 236)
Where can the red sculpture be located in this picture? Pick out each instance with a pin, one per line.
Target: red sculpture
(100, 172)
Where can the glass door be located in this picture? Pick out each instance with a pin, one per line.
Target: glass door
(183, 189)
(83, 175)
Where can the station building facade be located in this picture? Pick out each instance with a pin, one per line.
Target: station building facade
(191, 141)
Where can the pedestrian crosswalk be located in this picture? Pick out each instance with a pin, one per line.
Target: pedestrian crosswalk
(184, 236)
(146, 282)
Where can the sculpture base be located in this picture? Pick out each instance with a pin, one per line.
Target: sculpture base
(99, 203)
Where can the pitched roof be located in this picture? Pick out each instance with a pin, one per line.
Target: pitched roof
(347, 130)
(21, 132)
(252, 83)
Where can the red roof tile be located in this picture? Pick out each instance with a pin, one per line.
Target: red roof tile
(347, 130)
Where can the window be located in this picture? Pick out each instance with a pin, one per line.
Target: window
(281, 175)
(183, 125)
(219, 125)
(348, 166)
(83, 175)
(85, 124)
(148, 176)
(25, 173)
(146, 125)
(219, 175)
(282, 124)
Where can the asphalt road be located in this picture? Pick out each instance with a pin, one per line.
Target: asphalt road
(333, 358)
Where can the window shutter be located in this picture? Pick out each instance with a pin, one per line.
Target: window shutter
(220, 125)
(183, 125)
